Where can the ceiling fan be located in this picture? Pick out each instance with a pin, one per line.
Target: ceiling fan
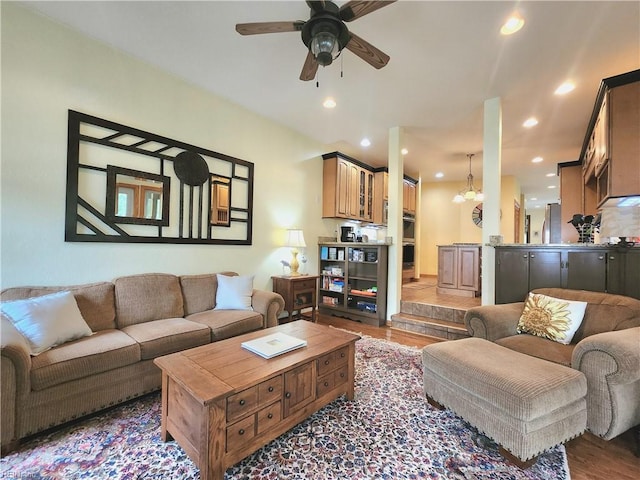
(325, 33)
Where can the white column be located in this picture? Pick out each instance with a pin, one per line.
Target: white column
(491, 174)
(394, 225)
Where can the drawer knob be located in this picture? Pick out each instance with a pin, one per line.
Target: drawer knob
(242, 402)
(270, 415)
(342, 355)
(326, 384)
(288, 395)
(326, 362)
(271, 389)
(341, 374)
(241, 431)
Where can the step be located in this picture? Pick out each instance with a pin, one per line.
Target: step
(432, 327)
(438, 312)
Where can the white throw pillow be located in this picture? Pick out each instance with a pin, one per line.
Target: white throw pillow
(47, 321)
(554, 318)
(234, 293)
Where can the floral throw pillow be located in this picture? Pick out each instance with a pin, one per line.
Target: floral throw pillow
(553, 318)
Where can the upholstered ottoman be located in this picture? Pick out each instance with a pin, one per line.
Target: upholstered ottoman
(523, 403)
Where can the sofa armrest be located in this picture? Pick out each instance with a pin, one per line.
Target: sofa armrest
(611, 363)
(269, 304)
(15, 369)
(492, 322)
(622, 347)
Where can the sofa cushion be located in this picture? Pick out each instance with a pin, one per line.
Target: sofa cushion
(605, 312)
(47, 321)
(228, 323)
(147, 297)
(96, 301)
(234, 293)
(199, 291)
(539, 347)
(170, 335)
(105, 350)
(554, 318)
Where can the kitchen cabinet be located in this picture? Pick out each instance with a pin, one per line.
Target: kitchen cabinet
(348, 188)
(353, 281)
(459, 270)
(409, 191)
(611, 152)
(595, 268)
(381, 198)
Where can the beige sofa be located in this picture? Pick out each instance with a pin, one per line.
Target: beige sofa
(606, 349)
(134, 319)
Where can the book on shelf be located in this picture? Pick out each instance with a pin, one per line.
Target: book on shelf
(324, 253)
(273, 345)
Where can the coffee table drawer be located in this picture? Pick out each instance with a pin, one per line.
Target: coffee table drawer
(270, 390)
(268, 417)
(241, 432)
(331, 361)
(241, 403)
(332, 380)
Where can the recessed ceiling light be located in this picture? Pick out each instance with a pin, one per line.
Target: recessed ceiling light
(329, 102)
(533, 198)
(551, 174)
(365, 142)
(566, 87)
(439, 175)
(404, 151)
(530, 122)
(512, 25)
(536, 160)
(551, 186)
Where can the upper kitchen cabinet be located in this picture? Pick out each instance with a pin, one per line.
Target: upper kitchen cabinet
(610, 153)
(381, 197)
(348, 188)
(409, 192)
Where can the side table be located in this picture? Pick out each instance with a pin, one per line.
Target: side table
(298, 292)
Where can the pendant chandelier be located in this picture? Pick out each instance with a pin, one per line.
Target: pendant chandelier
(470, 193)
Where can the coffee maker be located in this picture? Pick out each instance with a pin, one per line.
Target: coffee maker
(346, 234)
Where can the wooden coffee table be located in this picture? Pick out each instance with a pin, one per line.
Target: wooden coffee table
(221, 402)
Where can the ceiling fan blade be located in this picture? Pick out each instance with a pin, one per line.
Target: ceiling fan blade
(268, 27)
(359, 8)
(309, 69)
(370, 54)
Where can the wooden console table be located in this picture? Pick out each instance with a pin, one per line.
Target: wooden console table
(221, 402)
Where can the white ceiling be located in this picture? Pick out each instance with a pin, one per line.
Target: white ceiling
(447, 58)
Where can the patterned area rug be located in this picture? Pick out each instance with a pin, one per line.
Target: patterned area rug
(389, 432)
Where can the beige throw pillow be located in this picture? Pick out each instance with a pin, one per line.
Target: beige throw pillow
(47, 321)
(234, 293)
(553, 318)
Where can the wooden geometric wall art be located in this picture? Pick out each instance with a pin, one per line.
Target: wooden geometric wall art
(131, 186)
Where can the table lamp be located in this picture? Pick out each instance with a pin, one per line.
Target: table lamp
(622, 222)
(295, 240)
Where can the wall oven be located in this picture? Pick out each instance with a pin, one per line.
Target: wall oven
(408, 228)
(408, 255)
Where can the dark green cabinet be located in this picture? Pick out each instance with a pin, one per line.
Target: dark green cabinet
(522, 269)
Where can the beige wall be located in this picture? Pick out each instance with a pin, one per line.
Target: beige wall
(48, 69)
(444, 222)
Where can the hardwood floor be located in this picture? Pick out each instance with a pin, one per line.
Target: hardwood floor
(590, 458)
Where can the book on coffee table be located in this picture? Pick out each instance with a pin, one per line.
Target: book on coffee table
(273, 345)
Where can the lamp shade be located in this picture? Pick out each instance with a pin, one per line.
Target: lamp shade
(295, 238)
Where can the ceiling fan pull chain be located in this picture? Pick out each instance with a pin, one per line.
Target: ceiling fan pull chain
(341, 66)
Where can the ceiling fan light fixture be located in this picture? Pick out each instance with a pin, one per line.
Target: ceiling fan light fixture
(324, 46)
